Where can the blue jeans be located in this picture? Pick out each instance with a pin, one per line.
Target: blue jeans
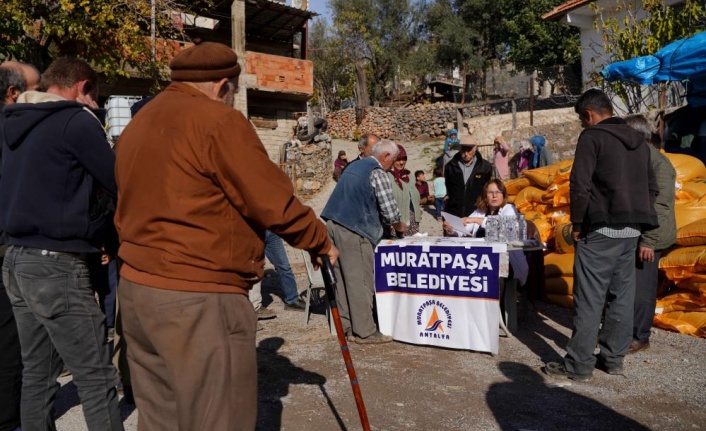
(275, 253)
(439, 206)
(58, 319)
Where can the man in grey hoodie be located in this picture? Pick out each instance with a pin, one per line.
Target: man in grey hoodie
(612, 190)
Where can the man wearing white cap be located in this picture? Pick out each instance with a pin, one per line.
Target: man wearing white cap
(465, 176)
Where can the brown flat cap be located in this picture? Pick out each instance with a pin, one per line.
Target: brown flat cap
(208, 61)
(467, 140)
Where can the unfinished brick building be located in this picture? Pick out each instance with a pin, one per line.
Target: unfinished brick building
(270, 38)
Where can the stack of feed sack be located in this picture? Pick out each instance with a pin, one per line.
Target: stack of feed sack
(559, 279)
(683, 309)
(542, 195)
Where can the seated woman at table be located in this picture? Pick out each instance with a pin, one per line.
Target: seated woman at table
(493, 201)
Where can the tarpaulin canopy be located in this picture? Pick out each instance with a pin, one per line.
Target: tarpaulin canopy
(683, 60)
(640, 70)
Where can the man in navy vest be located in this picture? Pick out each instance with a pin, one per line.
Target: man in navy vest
(358, 209)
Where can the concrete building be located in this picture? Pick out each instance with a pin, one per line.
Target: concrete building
(582, 14)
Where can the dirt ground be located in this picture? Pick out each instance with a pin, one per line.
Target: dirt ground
(303, 384)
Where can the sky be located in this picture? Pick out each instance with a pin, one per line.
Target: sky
(320, 7)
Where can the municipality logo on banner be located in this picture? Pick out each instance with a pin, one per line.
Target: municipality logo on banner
(434, 326)
(441, 295)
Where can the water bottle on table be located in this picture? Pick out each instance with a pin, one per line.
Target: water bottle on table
(492, 228)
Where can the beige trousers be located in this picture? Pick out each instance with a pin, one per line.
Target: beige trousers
(192, 358)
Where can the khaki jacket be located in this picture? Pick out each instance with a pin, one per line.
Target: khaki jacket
(666, 234)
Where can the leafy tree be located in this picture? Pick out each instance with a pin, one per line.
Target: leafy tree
(112, 34)
(466, 34)
(376, 37)
(452, 38)
(351, 20)
(411, 60)
(393, 28)
(643, 30)
(384, 41)
(333, 74)
(420, 64)
(637, 35)
(537, 45)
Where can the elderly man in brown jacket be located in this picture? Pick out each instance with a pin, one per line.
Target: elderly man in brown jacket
(197, 191)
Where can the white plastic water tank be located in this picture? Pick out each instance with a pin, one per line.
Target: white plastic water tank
(118, 113)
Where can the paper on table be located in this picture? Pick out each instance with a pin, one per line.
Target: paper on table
(455, 222)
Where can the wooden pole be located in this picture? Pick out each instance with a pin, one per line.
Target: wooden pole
(531, 100)
(662, 107)
(330, 282)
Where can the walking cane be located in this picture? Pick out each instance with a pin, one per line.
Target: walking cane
(330, 283)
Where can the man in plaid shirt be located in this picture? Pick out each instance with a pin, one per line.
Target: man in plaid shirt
(359, 208)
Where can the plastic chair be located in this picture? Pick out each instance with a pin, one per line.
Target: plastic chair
(534, 288)
(316, 281)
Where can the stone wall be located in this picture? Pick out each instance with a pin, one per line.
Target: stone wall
(415, 122)
(560, 126)
(561, 138)
(309, 167)
(426, 121)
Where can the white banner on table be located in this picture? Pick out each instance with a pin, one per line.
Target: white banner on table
(439, 295)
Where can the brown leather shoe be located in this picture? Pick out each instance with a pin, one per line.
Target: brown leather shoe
(265, 313)
(636, 346)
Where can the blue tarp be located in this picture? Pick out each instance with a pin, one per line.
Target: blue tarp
(640, 70)
(683, 60)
